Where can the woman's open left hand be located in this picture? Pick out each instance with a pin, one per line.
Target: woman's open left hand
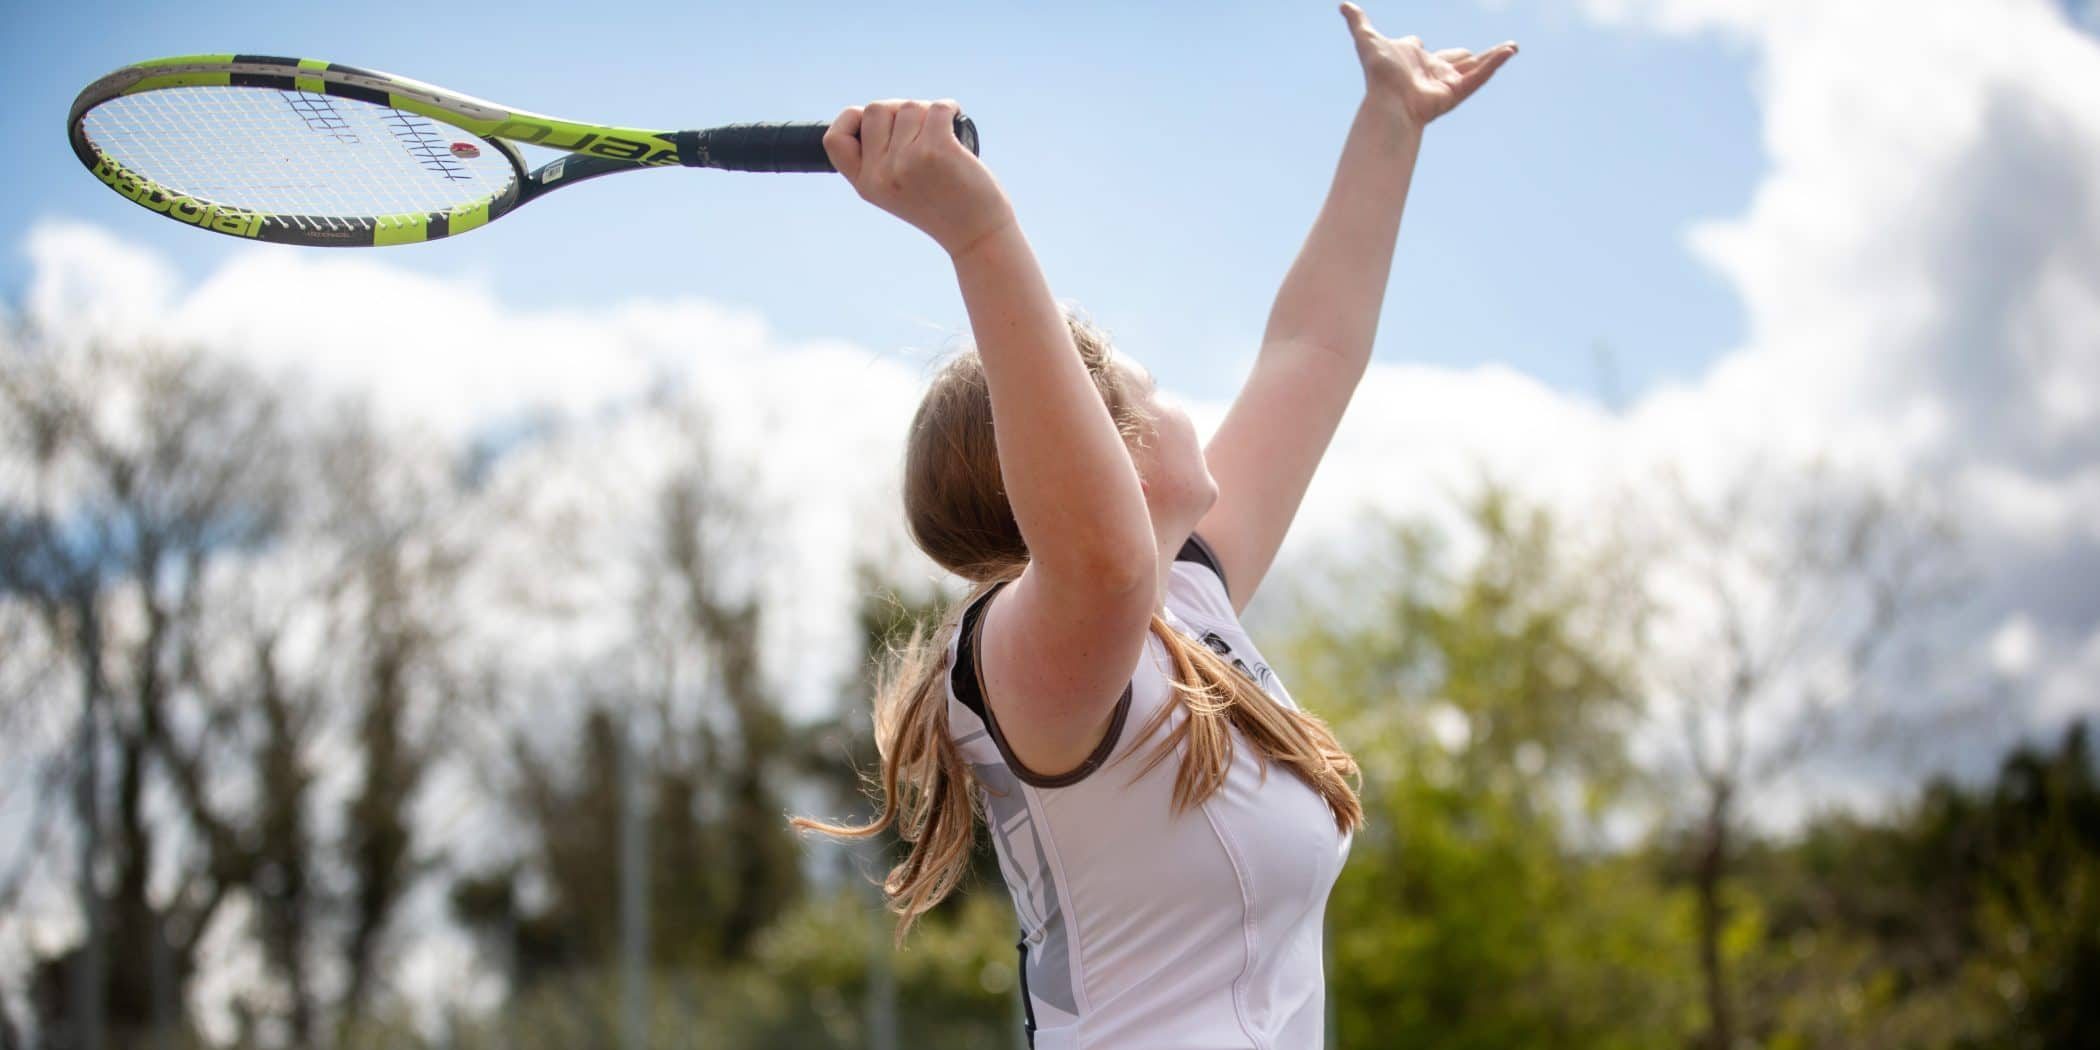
(1415, 84)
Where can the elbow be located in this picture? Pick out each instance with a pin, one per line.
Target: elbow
(1125, 570)
(1105, 570)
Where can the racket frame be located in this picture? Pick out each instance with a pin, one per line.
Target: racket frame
(593, 149)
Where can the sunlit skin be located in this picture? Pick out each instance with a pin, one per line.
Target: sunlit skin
(1415, 84)
(1317, 343)
(1172, 471)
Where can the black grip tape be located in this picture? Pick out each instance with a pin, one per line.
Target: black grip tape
(777, 147)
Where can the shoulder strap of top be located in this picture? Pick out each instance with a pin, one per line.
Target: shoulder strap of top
(1198, 551)
(967, 679)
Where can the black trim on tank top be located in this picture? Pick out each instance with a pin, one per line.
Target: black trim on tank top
(1027, 1004)
(967, 677)
(1197, 550)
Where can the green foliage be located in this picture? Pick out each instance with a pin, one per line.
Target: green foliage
(742, 956)
(805, 987)
(1970, 920)
(714, 882)
(955, 978)
(1486, 710)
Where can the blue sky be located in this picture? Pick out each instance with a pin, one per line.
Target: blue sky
(1165, 162)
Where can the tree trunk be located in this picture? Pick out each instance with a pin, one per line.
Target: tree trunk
(1712, 870)
(90, 978)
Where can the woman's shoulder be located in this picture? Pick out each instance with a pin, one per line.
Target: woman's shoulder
(976, 727)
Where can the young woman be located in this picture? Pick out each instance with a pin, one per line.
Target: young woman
(1161, 904)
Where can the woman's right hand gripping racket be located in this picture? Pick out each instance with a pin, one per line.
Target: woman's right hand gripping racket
(903, 156)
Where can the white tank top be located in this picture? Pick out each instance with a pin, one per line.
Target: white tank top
(1140, 927)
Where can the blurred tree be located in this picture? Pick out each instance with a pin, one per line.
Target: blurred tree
(231, 626)
(116, 520)
(841, 751)
(185, 538)
(1967, 918)
(716, 751)
(1776, 602)
(2038, 898)
(1485, 705)
(399, 551)
(755, 852)
(888, 615)
(800, 990)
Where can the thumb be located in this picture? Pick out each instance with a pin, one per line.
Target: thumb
(1471, 80)
(1355, 16)
(842, 143)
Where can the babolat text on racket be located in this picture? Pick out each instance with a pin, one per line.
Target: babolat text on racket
(300, 151)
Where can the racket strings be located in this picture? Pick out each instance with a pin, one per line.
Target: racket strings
(418, 137)
(319, 113)
(297, 154)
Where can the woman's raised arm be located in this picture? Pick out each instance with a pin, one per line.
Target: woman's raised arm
(1058, 649)
(1073, 488)
(1318, 341)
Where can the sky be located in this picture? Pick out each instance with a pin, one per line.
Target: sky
(1671, 234)
(1165, 162)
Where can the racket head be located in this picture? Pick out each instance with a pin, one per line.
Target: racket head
(300, 151)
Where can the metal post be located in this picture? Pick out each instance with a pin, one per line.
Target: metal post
(882, 978)
(90, 981)
(1332, 1040)
(634, 896)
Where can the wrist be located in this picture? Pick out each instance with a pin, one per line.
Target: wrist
(1391, 114)
(977, 243)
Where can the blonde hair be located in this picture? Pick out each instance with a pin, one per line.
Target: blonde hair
(957, 511)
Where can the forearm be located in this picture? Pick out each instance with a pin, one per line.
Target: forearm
(1332, 295)
(1067, 473)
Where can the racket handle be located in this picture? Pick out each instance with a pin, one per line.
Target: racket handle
(775, 147)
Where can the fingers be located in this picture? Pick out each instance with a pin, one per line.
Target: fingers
(940, 118)
(890, 125)
(1498, 54)
(1458, 57)
(876, 128)
(911, 117)
(1483, 67)
(842, 142)
(1360, 23)
(1464, 60)
(870, 141)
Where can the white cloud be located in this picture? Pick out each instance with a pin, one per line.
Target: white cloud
(2013, 647)
(818, 423)
(86, 276)
(1920, 269)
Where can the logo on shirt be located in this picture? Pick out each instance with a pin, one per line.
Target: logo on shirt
(1261, 674)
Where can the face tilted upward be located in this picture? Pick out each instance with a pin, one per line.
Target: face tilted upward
(1169, 458)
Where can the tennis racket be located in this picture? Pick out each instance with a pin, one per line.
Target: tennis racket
(299, 151)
